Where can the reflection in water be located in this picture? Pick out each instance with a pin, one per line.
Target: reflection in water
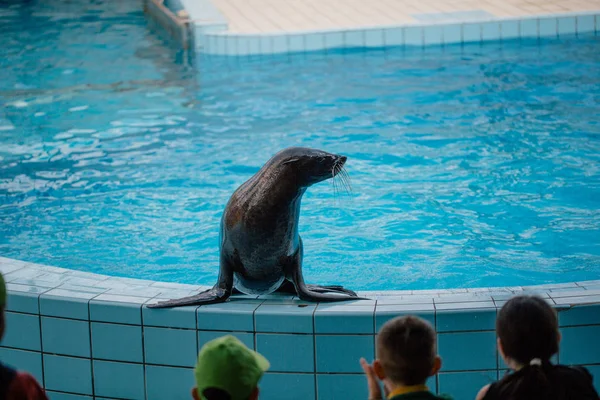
(471, 166)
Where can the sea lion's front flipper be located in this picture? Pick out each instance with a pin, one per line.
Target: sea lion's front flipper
(314, 293)
(218, 294)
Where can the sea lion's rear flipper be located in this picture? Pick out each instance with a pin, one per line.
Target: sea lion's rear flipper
(211, 296)
(218, 294)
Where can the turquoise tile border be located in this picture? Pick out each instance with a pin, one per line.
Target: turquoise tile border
(87, 332)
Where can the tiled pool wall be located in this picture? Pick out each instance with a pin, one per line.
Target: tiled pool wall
(87, 336)
(442, 33)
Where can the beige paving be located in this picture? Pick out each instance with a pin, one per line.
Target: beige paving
(277, 16)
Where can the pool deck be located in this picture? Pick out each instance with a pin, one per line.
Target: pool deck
(258, 27)
(90, 336)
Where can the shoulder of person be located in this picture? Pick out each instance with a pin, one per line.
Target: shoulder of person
(25, 386)
(482, 392)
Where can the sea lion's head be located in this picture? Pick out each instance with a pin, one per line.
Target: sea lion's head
(309, 166)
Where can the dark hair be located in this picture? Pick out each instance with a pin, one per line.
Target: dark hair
(406, 348)
(212, 393)
(528, 329)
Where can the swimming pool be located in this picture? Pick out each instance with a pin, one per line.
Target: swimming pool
(470, 165)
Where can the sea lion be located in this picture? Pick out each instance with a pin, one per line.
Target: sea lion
(260, 248)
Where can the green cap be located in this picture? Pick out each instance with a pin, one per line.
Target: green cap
(227, 364)
(2, 291)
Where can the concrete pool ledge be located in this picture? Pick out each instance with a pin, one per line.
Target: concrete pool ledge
(86, 335)
(429, 29)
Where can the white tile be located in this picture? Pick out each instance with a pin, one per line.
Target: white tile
(394, 36)
(413, 36)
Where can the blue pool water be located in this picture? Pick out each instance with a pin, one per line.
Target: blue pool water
(470, 166)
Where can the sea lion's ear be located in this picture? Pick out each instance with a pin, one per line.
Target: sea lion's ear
(290, 161)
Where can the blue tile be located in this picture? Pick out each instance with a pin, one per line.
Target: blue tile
(171, 347)
(284, 318)
(334, 40)
(23, 360)
(452, 34)
(342, 353)
(66, 336)
(66, 396)
(180, 317)
(510, 29)
(335, 318)
(230, 316)
(580, 345)
(586, 24)
(119, 380)
(471, 32)
(207, 336)
(413, 36)
(394, 36)
(22, 331)
(253, 45)
(548, 27)
(277, 349)
(464, 385)
(490, 30)
(117, 342)
(279, 44)
(349, 387)
(354, 38)
(275, 386)
(374, 38)
(595, 371)
(432, 383)
(481, 347)
(567, 26)
(169, 383)
(23, 302)
(314, 41)
(580, 315)
(67, 374)
(432, 35)
(120, 313)
(65, 307)
(386, 313)
(296, 43)
(529, 28)
(466, 320)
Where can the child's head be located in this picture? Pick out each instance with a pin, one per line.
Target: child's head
(227, 370)
(2, 304)
(527, 329)
(406, 351)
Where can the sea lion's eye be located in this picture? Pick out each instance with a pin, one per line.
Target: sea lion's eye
(291, 160)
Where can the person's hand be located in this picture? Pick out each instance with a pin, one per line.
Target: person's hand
(372, 380)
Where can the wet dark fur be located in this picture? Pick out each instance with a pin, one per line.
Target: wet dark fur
(260, 248)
